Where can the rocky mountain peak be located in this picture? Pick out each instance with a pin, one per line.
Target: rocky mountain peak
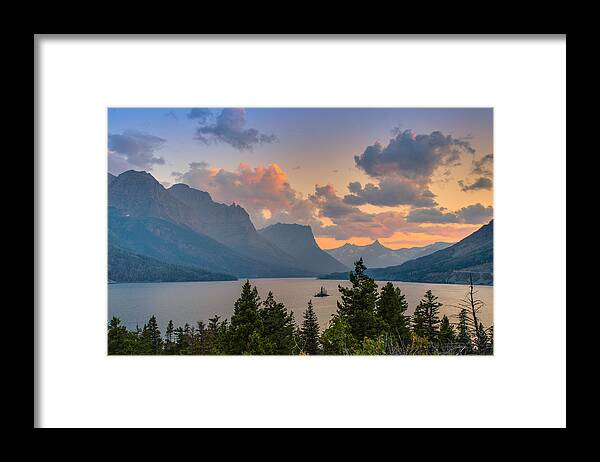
(376, 244)
(299, 242)
(191, 193)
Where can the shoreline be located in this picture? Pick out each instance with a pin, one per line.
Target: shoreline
(383, 281)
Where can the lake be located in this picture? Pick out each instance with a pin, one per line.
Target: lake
(189, 302)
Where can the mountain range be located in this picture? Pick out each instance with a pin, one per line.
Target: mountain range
(470, 257)
(181, 234)
(376, 255)
(183, 226)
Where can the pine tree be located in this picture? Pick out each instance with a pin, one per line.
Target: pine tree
(309, 333)
(446, 333)
(154, 336)
(180, 341)
(216, 336)
(277, 327)
(136, 341)
(425, 318)
(245, 322)
(337, 339)
(198, 339)
(470, 306)
(169, 339)
(359, 304)
(481, 341)
(117, 337)
(418, 321)
(463, 337)
(187, 339)
(491, 340)
(144, 343)
(391, 306)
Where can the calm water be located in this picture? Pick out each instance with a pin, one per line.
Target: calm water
(197, 301)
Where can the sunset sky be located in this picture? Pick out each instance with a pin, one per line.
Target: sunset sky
(408, 177)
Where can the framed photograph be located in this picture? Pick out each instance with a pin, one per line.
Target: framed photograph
(225, 223)
(313, 229)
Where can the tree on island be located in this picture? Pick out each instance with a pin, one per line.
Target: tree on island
(366, 323)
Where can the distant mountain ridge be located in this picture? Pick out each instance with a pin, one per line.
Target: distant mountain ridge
(376, 255)
(299, 242)
(470, 257)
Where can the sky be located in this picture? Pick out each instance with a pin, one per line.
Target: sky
(405, 176)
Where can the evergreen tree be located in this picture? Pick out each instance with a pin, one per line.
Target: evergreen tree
(365, 323)
(187, 339)
(136, 340)
(482, 341)
(418, 321)
(198, 339)
(144, 345)
(180, 341)
(184, 340)
(117, 337)
(463, 337)
(216, 336)
(358, 304)
(391, 306)
(154, 336)
(371, 347)
(256, 345)
(277, 327)
(479, 336)
(169, 347)
(425, 318)
(309, 333)
(245, 322)
(337, 339)
(446, 334)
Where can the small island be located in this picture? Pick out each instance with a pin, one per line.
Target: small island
(322, 293)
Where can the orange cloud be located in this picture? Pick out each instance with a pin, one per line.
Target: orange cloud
(264, 191)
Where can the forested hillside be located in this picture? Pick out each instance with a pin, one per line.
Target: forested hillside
(124, 266)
